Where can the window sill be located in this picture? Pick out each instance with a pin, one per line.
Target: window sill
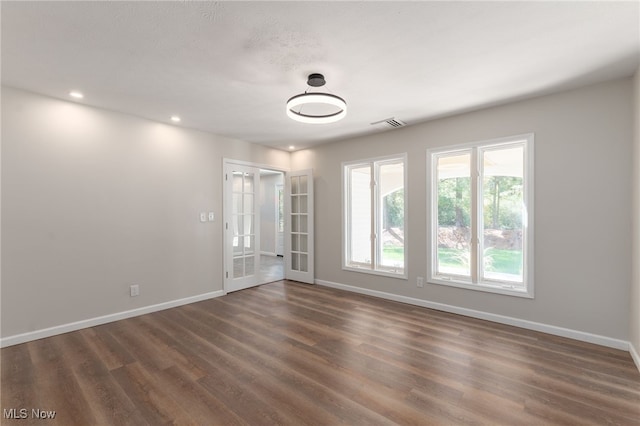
(497, 289)
(402, 276)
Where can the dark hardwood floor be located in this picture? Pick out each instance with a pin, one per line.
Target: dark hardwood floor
(294, 354)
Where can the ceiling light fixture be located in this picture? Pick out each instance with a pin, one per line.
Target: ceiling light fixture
(76, 94)
(175, 118)
(328, 108)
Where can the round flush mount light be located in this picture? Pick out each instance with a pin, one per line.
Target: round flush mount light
(76, 94)
(175, 119)
(316, 108)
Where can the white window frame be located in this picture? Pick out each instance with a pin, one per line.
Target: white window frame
(375, 164)
(474, 283)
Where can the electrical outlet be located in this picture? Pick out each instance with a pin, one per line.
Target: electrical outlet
(135, 290)
(420, 282)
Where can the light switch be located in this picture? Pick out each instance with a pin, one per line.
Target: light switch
(212, 216)
(203, 217)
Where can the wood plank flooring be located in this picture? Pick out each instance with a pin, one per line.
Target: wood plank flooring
(294, 354)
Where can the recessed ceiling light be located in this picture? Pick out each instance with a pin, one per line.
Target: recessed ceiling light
(76, 94)
(292, 147)
(175, 118)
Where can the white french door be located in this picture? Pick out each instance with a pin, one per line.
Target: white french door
(299, 265)
(242, 226)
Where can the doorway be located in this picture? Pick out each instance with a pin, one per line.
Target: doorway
(268, 225)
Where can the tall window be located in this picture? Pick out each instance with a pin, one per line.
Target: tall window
(374, 216)
(481, 222)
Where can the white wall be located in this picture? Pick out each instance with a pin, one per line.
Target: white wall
(634, 318)
(93, 201)
(583, 143)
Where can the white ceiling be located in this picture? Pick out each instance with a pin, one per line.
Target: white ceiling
(229, 67)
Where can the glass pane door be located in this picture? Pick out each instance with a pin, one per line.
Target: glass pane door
(242, 227)
(300, 227)
(243, 220)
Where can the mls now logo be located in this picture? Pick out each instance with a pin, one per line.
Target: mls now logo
(24, 413)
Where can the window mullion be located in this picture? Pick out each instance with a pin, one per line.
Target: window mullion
(374, 216)
(475, 210)
(349, 213)
(480, 214)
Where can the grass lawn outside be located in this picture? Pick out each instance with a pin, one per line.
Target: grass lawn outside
(499, 260)
(393, 254)
(503, 261)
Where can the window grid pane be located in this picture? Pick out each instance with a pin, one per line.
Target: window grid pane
(360, 215)
(481, 221)
(375, 216)
(502, 214)
(454, 215)
(391, 216)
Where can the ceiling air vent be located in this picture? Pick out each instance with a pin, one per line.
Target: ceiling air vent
(389, 123)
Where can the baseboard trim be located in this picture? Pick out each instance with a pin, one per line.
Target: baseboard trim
(92, 322)
(634, 355)
(529, 325)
